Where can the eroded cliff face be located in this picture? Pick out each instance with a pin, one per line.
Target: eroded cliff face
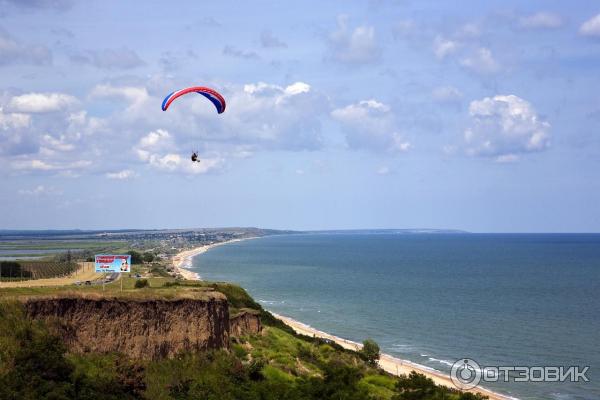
(246, 322)
(139, 328)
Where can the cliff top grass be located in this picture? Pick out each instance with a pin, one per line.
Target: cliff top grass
(158, 288)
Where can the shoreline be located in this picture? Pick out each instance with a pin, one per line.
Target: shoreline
(387, 362)
(183, 260)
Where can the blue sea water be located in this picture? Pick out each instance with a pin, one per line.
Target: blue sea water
(500, 299)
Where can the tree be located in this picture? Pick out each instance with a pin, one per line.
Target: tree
(370, 351)
(148, 257)
(136, 257)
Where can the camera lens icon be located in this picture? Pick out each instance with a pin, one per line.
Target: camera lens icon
(465, 373)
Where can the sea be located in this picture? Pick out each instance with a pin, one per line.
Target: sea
(501, 300)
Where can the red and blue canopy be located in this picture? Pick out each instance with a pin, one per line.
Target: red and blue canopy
(209, 93)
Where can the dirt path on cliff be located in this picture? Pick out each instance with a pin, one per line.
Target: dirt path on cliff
(85, 272)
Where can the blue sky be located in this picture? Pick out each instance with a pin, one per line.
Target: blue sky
(340, 114)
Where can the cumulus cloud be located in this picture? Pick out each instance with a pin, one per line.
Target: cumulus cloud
(70, 168)
(55, 133)
(371, 125)
(41, 102)
(591, 27)
(109, 59)
(260, 115)
(13, 120)
(158, 150)
(238, 53)
(504, 126)
(267, 39)
(541, 20)
(444, 47)
(57, 5)
(482, 62)
(15, 52)
(46, 133)
(446, 94)
(40, 190)
(132, 94)
(121, 175)
(353, 46)
(276, 117)
(383, 170)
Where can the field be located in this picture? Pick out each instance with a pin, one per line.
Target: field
(84, 272)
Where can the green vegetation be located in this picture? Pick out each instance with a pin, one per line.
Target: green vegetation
(272, 365)
(370, 351)
(136, 257)
(13, 270)
(142, 283)
(35, 269)
(276, 364)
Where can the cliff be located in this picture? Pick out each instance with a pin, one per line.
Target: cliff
(143, 328)
(246, 322)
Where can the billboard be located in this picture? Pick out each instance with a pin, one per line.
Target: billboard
(113, 263)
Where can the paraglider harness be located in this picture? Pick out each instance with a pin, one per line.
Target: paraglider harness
(195, 157)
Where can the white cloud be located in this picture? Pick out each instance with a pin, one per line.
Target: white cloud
(121, 175)
(446, 94)
(158, 150)
(41, 102)
(357, 46)
(43, 132)
(371, 125)
(260, 117)
(13, 120)
(274, 117)
(541, 20)
(42, 165)
(469, 30)
(591, 27)
(507, 158)
(60, 143)
(15, 52)
(109, 59)
(40, 190)
(267, 39)
(383, 170)
(133, 94)
(482, 62)
(154, 138)
(504, 126)
(238, 53)
(444, 47)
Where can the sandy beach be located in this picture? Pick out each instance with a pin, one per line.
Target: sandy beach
(182, 261)
(388, 363)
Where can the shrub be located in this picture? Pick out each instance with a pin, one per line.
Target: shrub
(370, 351)
(141, 283)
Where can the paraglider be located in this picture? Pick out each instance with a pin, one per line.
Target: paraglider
(209, 93)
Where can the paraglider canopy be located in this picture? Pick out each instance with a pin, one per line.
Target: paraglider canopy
(209, 93)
